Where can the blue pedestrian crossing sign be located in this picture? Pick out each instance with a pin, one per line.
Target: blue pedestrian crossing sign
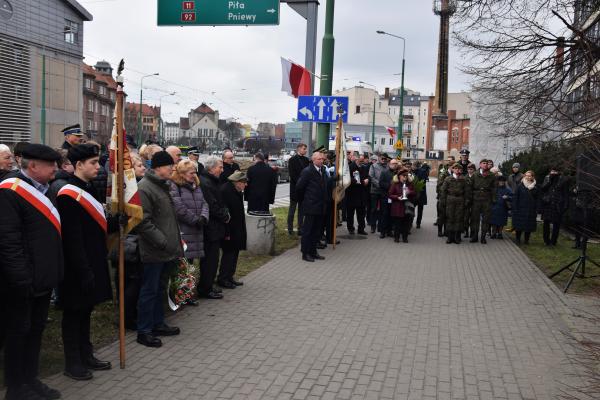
(322, 108)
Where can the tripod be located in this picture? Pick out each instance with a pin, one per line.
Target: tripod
(580, 265)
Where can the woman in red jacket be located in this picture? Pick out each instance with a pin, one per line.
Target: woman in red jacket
(401, 197)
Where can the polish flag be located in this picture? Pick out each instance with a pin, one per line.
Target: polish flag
(295, 80)
(391, 131)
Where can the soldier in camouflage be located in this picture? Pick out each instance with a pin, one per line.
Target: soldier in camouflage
(470, 172)
(483, 188)
(443, 172)
(455, 198)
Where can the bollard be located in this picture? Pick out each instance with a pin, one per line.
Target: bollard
(260, 234)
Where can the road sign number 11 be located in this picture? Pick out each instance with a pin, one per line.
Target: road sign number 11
(188, 5)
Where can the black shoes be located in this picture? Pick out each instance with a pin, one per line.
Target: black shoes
(317, 256)
(96, 365)
(382, 235)
(23, 392)
(236, 283)
(226, 284)
(396, 240)
(483, 241)
(362, 232)
(148, 340)
(306, 257)
(43, 390)
(351, 231)
(451, 237)
(165, 330)
(212, 295)
(321, 246)
(372, 230)
(457, 238)
(474, 239)
(78, 373)
(418, 226)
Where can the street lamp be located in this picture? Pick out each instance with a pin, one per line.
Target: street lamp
(373, 128)
(160, 121)
(401, 116)
(139, 139)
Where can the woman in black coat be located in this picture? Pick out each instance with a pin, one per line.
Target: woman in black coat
(524, 207)
(235, 230)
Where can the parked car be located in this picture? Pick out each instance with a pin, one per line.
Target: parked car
(281, 168)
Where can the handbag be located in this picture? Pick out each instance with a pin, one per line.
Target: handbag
(409, 208)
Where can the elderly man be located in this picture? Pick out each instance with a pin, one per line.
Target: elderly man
(32, 264)
(175, 153)
(229, 166)
(376, 195)
(73, 136)
(296, 164)
(311, 190)
(6, 161)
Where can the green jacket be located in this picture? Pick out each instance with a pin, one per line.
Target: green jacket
(159, 234)
(483, 188)
(442, 174)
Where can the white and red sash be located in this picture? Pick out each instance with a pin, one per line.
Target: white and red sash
(34, 197)
(87, 201)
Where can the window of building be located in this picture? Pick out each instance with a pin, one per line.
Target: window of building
(409, 128)
(391, 141)
(89, 84)
(211, 132)
(96, 106)
(90, 107)
(455, 135)
(357, 110)
(102, 90)
(383, 141)
(112, 96)
(71, 32)
(90, 125)
(104, 109)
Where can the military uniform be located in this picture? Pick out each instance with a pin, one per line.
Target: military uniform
(467, 213)
(483, 195)
(442, 174)
(454, 197)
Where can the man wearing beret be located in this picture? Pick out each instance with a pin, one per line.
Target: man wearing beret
(160, 246)
(483, 192)
(32, 264)
(87, 279)
(73, 136)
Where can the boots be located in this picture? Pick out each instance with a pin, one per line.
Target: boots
(458, 238)
(450, 235)
(467, 233)
(440, 230)
(474, 237)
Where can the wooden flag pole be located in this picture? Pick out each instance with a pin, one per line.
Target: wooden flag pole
(338, 146)
(121, 210)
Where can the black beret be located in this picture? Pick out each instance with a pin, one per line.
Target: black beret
(35, 151)
(82, 152)
(161, 159)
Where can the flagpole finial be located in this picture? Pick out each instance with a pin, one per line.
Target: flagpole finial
(121, 67)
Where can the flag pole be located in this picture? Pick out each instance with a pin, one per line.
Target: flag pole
(338, 146)
(121, 210)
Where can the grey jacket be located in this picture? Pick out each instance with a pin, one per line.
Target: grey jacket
(190, 206)
(514, 180)
(374, 174)
(159, 235)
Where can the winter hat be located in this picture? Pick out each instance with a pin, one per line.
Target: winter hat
(161, 159)
(516, 165)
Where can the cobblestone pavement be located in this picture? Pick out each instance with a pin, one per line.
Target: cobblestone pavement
(375, 320)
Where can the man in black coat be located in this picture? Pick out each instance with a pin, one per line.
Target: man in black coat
(235, 230)
(262, 184)
(296, 164)
(356, 199)
(229, 166)
(214, 231)
(72, 135)
(32, 264)
(311, 190)
(87, 278)
(385, 181)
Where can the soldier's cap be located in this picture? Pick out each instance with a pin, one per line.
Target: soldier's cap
(238, 176)
(385, 156)
(471, 166)
(193, 150)
(130, 141)
(457, 165)
(319, 149)
(73, 130)
(82, 152)
(465, 152)
(35, 151)
(483, 160)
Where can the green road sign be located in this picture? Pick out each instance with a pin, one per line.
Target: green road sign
(218, 12)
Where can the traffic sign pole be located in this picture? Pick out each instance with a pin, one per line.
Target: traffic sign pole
(327, 69)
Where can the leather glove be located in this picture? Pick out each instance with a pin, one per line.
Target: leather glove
(201, 222)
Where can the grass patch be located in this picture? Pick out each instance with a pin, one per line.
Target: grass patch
(551, 259)
(104, 330)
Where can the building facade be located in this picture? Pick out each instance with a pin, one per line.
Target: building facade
(150, 121)
(41, 42)
(99, 99)
(171, 132)
(293, 135)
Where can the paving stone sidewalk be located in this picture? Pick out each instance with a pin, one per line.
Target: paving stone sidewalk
(375, 320)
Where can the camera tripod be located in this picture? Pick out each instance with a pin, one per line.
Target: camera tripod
(579, 263)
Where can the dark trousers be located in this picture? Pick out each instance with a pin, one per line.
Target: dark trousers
(384, 223)
(24, 326)
(481, 212)
(311, 233)
(133, 282)
(291, 211)
(360, 217)
(420, 213)
(375, 210)
(527, 235)
(76, 336)
(328, 223)
(229, 260)
(551, 238)
(209, 265)
(150, 302)
(400, 225)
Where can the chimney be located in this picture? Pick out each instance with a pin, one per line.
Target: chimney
(387, 93)
(560, 54)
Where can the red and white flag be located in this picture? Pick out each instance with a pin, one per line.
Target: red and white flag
(391, 131)
(295, 80)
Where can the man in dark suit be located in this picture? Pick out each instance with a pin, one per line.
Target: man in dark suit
(311, 190)
(261, 185)
(229, 166)
(356, 199)
(296, 164)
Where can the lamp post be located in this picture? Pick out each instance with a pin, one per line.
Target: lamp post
(139, 138)
(160, 121)
(373, 127)
(401, 116)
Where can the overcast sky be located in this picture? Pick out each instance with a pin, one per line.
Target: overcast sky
(237, 69)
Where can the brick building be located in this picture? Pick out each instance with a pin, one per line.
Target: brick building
(99, 99)
(150, 121)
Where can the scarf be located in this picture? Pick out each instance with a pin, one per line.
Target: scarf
(529, 185)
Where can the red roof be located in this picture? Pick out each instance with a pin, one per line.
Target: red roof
(204, 109)
(99, 76)
(184, 123)
(147, 110)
